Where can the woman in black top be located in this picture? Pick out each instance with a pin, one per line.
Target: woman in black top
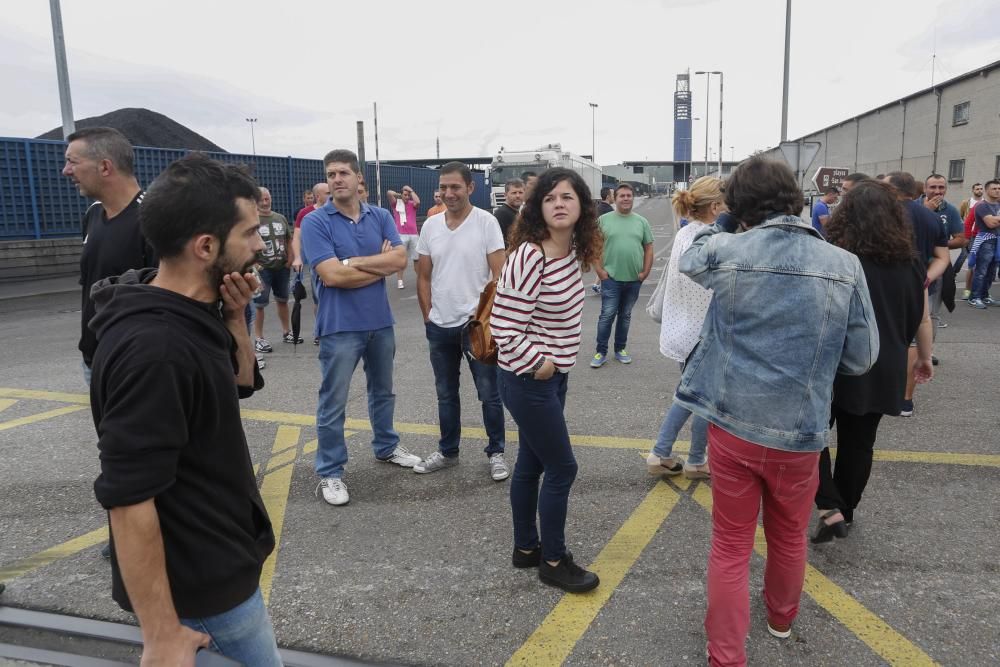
(870, 223)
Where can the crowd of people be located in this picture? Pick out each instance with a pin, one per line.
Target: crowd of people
(169, 352)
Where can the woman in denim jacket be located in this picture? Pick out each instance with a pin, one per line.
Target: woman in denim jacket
(789, 311)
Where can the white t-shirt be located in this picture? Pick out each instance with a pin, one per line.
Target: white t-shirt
(461, 269)
(685, 302)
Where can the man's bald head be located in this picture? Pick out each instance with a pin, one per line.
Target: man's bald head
(321, 191)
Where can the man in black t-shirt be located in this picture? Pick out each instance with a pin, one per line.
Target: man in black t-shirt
(507, 212)
(931, 241)
(100, 162)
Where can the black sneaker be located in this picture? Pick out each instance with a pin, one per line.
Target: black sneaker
(568, 576)
(525, 560)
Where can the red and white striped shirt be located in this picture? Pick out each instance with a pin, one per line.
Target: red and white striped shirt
(538, 310)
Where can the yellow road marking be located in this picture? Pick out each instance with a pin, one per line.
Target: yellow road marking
(553, 641)
(281, 459)
(603, 442)
(59, 397)
(6, 403)
(274, 491)
(42, 416)
(311, 446)
(890, 645)
(287, 436)
(43, 558)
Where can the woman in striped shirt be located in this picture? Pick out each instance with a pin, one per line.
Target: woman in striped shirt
(536, 324)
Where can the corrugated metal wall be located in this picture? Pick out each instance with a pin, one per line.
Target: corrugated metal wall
(37, 201)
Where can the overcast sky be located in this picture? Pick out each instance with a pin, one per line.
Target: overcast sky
(481, 75)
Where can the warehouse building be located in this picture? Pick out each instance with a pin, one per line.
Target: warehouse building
(952, 128)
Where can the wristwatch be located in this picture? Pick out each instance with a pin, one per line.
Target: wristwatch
(346, 261)
(537, 367)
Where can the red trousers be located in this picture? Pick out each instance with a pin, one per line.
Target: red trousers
(744, 477)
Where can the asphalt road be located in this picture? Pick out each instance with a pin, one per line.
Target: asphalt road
(416, 569)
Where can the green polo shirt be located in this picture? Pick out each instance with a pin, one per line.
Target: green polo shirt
(625, 238)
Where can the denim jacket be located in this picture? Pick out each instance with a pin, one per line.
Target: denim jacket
(788, 312)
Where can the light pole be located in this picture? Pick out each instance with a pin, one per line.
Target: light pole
(62, 71)
(708, 79)
(593, 132)
(784, 83)
(253, 142)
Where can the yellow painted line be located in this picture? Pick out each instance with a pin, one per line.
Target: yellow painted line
(311, 446)
(605, 442)
(52, 554)
(890, 645)
(274, 491)
(281, 459)
(80, 399)
(553, 641)
(6, 403)
(287, 436)
(42, 416)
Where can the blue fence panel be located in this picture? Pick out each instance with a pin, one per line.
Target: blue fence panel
(37, 201)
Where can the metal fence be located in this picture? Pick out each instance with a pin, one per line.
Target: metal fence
(37, 201)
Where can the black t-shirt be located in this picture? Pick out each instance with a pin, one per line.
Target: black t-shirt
(928, 231)
(505, 215)
(604, 207)
(110, 248)
(897, 293)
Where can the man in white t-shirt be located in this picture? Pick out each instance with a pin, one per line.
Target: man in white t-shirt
(460, 250)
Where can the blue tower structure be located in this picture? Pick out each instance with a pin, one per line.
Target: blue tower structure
(682, 128)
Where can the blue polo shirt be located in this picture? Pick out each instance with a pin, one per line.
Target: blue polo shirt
(819, 209)
(327, 233)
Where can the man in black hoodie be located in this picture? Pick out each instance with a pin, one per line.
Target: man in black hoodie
(189, 531)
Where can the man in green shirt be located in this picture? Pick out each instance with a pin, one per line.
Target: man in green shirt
(628, 257)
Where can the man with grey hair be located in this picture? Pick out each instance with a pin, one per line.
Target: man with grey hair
(101, 164)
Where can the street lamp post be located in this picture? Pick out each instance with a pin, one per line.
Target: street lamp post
(593, 132)
(62, 71)
(708, 79)
(253, 142)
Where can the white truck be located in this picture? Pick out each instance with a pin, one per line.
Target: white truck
(511, 164)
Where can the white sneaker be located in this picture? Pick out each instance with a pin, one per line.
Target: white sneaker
(334, 490)
(402, 457)
(434, 462)
(261, 364)
(399, 284)
(498, 468)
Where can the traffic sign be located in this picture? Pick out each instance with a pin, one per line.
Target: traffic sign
(826, 177)
(799, 154)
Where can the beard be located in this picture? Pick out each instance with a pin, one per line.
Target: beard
(224, 265)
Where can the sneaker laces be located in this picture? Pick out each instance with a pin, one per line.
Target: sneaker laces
(332, 482)
(572, 567)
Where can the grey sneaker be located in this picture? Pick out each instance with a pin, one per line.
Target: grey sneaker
(498, 468)
(435, 462)
(402, 457)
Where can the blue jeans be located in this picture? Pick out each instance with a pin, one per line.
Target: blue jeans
(543, 447)
(617, 300)
(986, 268)
(672, 423)
(243, 633)
(339, 354)
(447, 347)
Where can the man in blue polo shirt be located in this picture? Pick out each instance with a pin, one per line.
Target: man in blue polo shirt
(821, 209)
(352, 247)
(935, 188)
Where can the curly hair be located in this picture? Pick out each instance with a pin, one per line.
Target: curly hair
(760, 188)
(530, 227)
(870, 223)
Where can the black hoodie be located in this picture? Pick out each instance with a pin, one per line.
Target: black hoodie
(166, 408)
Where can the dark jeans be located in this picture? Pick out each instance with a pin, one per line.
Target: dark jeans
(543, 447)
(617, 301)
(986, 268)
(855, 447)
(447, 347)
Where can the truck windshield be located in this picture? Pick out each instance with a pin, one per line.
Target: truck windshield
(504, 171)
